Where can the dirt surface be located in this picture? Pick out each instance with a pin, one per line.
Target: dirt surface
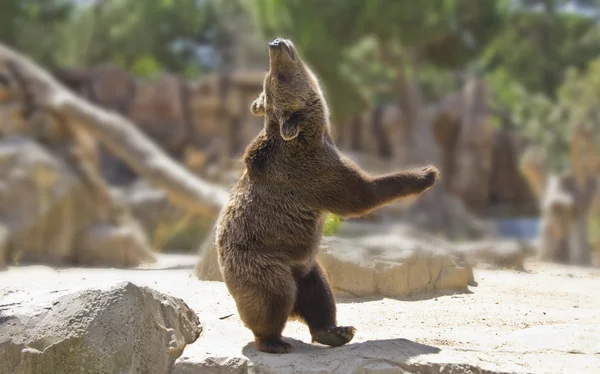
(545, 320)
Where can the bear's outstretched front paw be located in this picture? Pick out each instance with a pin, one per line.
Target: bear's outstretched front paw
(335, 336)
(430, 175)
(272, 346)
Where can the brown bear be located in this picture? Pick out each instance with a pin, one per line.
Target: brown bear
(268, 234)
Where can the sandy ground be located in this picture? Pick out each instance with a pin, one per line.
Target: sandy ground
(545, 320)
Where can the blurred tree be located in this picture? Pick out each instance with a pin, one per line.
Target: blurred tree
(573, 161)
(393, 40)
(145, 37)
(380, 40)
(30, 25)
(549, 122)
(544, 38)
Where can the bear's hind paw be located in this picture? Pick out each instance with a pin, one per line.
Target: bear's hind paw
(335, 336)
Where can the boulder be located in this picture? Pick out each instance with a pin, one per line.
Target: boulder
(126, 245)
(377, 265)
(108, 86)
(392, 266)
(220, 118)
(120, 328)
(167, 226)
(503, 254)
(48, 204)
(160, 110)
(48, 213)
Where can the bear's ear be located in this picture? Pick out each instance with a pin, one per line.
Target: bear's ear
(289, 126)
(258, 106)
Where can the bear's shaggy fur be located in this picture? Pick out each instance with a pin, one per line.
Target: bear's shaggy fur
(268, 234)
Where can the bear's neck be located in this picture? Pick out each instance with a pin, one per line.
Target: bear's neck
(314, 127)
(269, 148)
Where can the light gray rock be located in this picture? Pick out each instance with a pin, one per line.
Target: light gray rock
(392, 266)
(119, 328)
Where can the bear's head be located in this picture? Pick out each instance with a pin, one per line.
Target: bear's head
(291, 94)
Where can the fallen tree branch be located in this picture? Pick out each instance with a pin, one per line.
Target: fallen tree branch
(119, 135)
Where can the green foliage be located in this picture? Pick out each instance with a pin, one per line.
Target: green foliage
(146, 37)
(550, 122)
(535, 53)
(29, 25)
(332, 224)
(340, 40)
(543, 73)
(542, 42)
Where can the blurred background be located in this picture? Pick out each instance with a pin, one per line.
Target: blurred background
(502, 96)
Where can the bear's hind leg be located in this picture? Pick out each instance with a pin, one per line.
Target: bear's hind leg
(264, 308)
(315, 305)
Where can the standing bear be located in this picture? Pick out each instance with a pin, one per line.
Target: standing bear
(268, 234)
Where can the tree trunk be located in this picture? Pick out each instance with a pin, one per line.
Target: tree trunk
(567, 201)
(435, 210)
(119, 135)
(581, 250)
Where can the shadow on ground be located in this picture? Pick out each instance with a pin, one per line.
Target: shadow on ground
(349, 299)
(310, 357)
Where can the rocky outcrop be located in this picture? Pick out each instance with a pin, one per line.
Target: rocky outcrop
(203, 123)
(498, 254)
(159, 109)
(390, 266)
(168, 227)
(52, 216)
(115, 329)
(56, 205)
(508, 188)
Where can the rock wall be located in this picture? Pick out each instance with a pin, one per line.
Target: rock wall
(54, 205)
(205, 123)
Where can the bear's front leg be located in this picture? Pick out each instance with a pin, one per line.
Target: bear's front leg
(346, 190)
